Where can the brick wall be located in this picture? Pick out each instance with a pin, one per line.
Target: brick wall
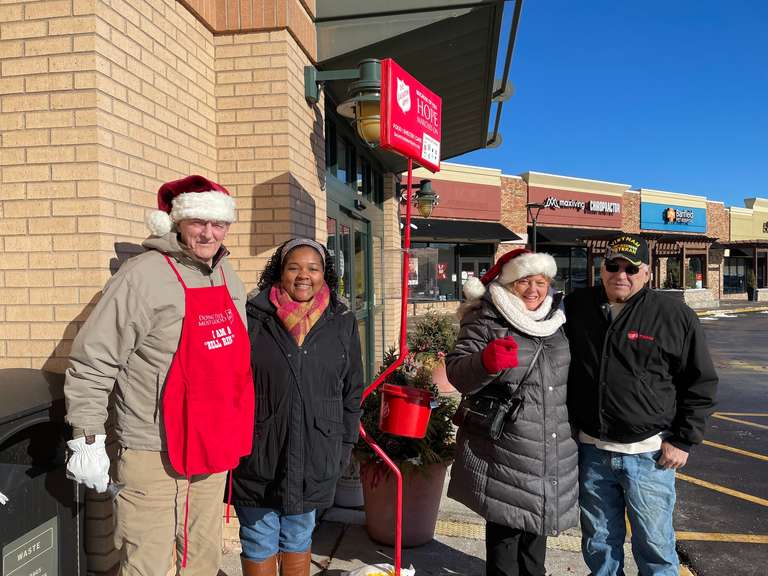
(100, 105)
(270, 146)
(514, 195)
(393, 266)
(47, 164)
(630, 220)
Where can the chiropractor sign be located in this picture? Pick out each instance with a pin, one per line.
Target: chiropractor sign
(410, 116)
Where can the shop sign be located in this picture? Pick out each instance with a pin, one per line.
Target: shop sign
(593, 206)
(654, 216)
(411, 116)
(576, 208)
(679, 215)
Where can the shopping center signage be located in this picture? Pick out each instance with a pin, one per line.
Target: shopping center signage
(576, 208)
(411, 116)
(655, 216)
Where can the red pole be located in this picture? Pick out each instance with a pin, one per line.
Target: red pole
(400, 359)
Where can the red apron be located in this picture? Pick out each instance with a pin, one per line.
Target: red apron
(208, 398)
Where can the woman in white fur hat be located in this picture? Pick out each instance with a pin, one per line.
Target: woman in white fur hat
(516, 459)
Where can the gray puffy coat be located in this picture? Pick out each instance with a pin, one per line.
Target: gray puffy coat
(528, 478)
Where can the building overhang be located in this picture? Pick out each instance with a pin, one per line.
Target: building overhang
(468, 231)
(450, 47)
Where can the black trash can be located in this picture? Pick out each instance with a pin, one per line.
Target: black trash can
(41, 525)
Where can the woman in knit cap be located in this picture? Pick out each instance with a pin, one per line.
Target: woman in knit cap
(518, 472)
(168, 336)
(308, 379)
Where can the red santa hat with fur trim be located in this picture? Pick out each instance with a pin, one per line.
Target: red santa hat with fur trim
(193, 197)
(512, 266)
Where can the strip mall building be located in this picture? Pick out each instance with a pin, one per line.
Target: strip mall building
(701, 251)
(103, 101)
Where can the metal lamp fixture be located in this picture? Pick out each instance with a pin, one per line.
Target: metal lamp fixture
(533, 209)
(363, 104)
(425, 199)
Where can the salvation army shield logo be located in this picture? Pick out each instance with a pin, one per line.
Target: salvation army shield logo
(403, 96)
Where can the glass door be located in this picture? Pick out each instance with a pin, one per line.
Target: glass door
(349, 243)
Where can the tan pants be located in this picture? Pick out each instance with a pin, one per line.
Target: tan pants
(149, 516)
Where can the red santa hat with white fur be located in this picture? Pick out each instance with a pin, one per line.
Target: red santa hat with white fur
(511, 266)
(193, 197)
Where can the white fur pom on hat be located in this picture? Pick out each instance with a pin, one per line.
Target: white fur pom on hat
(190, 197)
(512, 266)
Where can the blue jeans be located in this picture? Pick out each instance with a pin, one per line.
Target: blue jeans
(609, 484)
(264, 532)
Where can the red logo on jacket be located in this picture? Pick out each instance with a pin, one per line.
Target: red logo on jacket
(634, 335)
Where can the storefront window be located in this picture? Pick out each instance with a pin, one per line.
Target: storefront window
(695, 276)
(672, 279)
(734, 275)
(437, 271)
(571, 267)
(432, 272)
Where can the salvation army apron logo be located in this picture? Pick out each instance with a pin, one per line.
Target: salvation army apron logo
(403, 96)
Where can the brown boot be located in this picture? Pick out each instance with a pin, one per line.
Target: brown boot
(266, 567)
(295, 563)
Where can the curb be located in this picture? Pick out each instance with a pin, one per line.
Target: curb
(732, 310)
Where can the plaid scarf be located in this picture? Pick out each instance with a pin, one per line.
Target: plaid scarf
(299, 317)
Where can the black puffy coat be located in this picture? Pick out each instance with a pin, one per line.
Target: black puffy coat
(527, 479)
(307, 409)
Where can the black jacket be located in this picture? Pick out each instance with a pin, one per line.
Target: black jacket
(646, 372)
(307, 409)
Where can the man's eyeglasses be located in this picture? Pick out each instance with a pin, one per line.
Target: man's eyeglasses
(630, 269)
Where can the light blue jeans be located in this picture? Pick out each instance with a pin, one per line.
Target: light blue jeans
(264, 532)
(609, 484)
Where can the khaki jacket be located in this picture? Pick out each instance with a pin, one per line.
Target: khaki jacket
(129, 340)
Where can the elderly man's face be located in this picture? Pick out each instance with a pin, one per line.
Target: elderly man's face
(622, 279)
(203, 237)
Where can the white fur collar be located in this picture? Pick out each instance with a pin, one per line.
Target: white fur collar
(531, 322)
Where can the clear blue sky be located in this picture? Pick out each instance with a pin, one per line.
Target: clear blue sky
(665, 94)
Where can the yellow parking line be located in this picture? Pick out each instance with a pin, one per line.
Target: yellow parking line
(723, 489)
(736, 450)
(752, 414)
(718, 537)
(745, 422)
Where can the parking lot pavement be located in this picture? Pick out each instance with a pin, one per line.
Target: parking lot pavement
(722, 509)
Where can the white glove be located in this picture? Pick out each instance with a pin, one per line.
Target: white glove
(88, 464)
(3, 499)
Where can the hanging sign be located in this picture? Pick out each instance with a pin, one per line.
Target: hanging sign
(410, 116)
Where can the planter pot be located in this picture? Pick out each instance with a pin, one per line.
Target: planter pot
(440, 378)
(422, 490)
(349, 489)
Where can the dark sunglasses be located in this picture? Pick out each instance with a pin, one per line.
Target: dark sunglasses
(630, 269)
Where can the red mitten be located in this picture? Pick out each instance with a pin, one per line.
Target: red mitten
(499, 354)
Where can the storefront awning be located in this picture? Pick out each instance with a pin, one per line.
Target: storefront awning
(565, 235)
(449, 46)
(460, 231)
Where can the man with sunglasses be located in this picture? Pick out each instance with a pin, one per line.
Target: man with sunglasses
(641, 387)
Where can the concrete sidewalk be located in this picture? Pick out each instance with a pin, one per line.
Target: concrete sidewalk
(341, 543)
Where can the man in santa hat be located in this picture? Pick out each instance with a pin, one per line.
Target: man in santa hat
(168, 339)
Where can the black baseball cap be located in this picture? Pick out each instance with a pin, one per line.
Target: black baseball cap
(629, 247)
